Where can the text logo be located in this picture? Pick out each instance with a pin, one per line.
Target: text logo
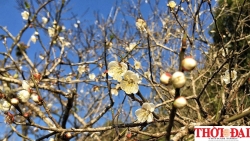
(222, 133)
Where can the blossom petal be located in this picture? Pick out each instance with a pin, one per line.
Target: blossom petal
(117, 70)
(141, 115)
(149, 106)
(150, 117)
(4, 105)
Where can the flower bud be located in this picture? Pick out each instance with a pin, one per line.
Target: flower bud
(26, 115)
(129, 135)
(180, 102)
(188, 63)
(178, 79)
(165, 78)
(23, 95)
(171, 4)
(37, 99)
(15, 76)
(14, 101)
(67, 135)
(172, 91)
(37, 76)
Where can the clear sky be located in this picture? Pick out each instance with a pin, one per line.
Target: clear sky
(10, 16)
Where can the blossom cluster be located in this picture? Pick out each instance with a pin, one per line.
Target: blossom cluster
(52, 31)
(128, 79)
(129, 83)
(22, 96)
(178, 79)
(226, 77)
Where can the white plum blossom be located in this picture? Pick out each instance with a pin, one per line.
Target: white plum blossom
(92, 76)
(114, 92)
(137, 64)
(117, 70)
(145, 112)
(131, 46)
(25, 85)
(25, 15)
(117, 86)
(63, 28)
(226, 77)
(51, 31)
(23, 95)
(76, 25)
(130, 81)
(36, 33)
(147, 74)
(4, 105)
(141, 25)
(33, 38)
(35, 98)
(81, 69)
(109, 44)
(41, 56)
(171, 4)
(44, 20)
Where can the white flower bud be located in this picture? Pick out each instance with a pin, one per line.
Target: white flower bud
(4, 105)
(33, 39)
(25, 85)
(171, 4)
(14, 101)
(188, 63)
(25, 15)
(114, 92)
(36, 98)
(44, 20)
(178, 79)
(165, 78)
(23, 95)
(36, 33)
(67, 135)
(180, 102)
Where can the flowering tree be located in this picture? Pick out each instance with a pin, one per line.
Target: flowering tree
(135, 75)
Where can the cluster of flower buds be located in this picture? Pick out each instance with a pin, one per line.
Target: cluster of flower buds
(27, 93)
(178, 79)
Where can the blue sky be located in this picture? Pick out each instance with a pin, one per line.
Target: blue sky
(11, 17)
